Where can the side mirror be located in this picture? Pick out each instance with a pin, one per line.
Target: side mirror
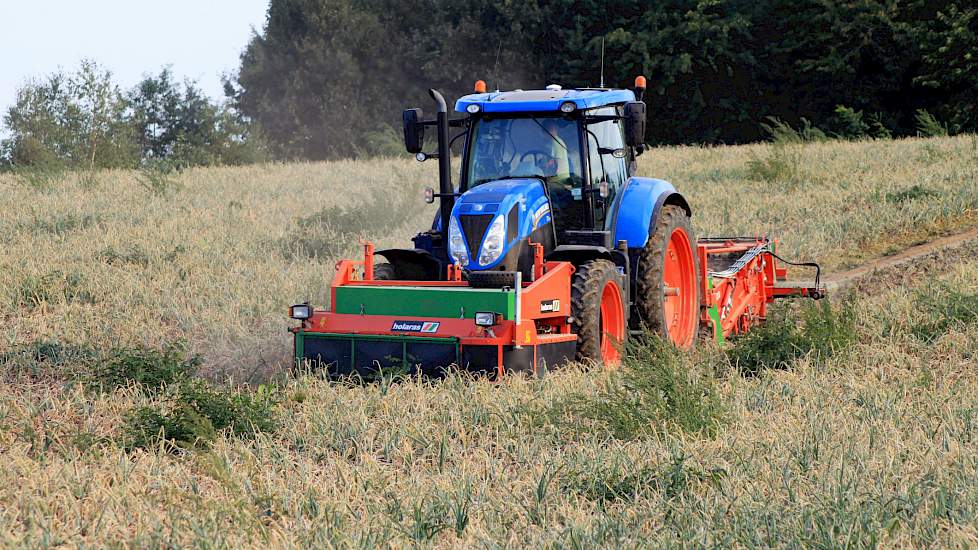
(413, 131)
(635, 123)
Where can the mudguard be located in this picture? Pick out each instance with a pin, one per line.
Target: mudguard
(640, 202)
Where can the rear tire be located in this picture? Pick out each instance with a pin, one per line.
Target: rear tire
(668, 290)
(598, 312)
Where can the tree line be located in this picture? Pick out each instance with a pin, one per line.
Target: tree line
(83, 120)
(328, 78)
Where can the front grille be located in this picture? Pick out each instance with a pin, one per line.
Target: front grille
(473, 229)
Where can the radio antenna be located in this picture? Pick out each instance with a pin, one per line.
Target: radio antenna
(602, 63)
(495, 66)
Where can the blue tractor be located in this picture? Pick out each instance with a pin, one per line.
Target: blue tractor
(550, 248)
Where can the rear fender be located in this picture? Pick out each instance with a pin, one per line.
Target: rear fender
(640, 203)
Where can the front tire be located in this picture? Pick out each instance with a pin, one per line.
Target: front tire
(598, 311)
(668, 301)
(384, 271)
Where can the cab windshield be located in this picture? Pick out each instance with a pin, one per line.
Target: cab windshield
(544, 147)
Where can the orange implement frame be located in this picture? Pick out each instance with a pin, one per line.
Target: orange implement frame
(541, 319)
(739, 278)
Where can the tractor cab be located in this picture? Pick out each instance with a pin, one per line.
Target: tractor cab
(538, 166)
(553, 149)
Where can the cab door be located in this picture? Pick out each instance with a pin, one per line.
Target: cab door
(607, 163)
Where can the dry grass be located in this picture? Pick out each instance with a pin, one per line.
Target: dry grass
(873, 446)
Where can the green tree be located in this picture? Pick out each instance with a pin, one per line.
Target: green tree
(177, 123)
(327, 77)
(949, 57)
(70, 120)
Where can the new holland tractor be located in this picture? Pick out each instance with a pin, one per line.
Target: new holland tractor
(550, 248)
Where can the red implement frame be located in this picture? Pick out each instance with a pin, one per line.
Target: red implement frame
(739, 277)
(747, 279)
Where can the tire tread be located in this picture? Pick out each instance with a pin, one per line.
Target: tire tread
(649, 302)
(586, 288)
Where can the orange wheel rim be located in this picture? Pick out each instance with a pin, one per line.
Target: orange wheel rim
(612, 324)
(679, 290)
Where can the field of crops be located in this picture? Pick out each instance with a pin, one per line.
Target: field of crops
(117, 291)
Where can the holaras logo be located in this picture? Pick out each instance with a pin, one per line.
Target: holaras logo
(415, 326)
(549, 305)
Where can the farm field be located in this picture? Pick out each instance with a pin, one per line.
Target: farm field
(869, 443)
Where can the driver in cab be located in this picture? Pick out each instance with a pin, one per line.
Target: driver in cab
(557, 167)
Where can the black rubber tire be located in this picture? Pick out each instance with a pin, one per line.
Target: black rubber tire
(586, 288)
(384, 271)
(649, 299)
(491, 279)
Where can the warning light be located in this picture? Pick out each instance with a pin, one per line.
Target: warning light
(480, 86)
(640, 82)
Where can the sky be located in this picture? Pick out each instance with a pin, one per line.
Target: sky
(200, 39)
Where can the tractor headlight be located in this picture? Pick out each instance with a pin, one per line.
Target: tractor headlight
(456, 244)
(300, 312)
(492, 246)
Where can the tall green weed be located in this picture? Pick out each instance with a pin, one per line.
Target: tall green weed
(781, 339)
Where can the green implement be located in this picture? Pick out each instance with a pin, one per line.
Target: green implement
(414, 302)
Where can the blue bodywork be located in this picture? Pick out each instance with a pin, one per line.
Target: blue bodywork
(639, 203)
(499, 197)
(535, 101)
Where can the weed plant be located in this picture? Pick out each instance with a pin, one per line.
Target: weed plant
(192, 413)
(782, 339)
(914, 192)
(159, 177)
(942, 309)
(150, 370)
(928, 125)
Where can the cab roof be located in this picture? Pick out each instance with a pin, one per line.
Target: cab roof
(525, 101)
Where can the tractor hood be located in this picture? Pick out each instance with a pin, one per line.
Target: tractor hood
(490, 219)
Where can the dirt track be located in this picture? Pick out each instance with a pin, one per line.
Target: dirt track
(910, 263)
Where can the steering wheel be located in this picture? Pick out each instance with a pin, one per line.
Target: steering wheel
(535, 153)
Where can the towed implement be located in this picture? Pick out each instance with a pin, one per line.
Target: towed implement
(549, 250)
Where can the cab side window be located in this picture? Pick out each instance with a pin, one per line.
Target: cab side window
(604, 138)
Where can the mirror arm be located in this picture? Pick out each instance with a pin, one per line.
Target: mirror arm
(595, 119)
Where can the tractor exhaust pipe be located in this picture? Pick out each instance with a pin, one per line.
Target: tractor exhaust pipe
(446, 189)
